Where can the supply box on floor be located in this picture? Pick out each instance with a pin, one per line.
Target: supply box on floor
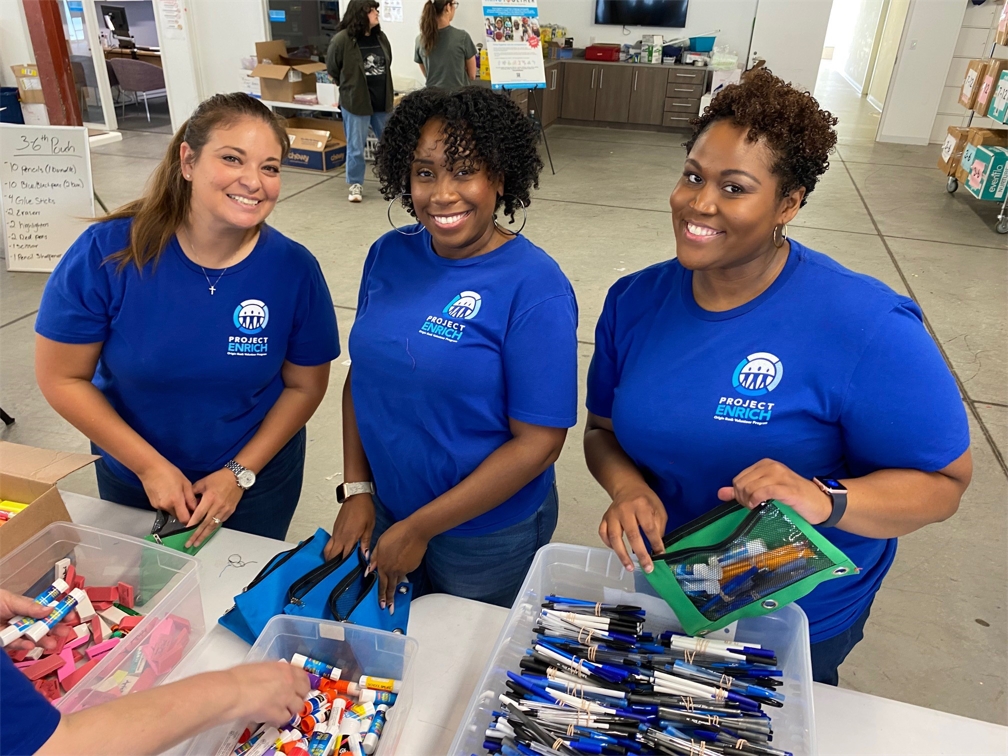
(356, 650)
(597, 575)
(316, 145)
(281, 77)
(29, 86)
(158, 590)
(29, 476)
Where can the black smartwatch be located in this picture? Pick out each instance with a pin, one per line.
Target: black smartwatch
(838, 494)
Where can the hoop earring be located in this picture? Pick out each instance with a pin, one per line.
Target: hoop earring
(508, 230)
(388, 214)
(782, 231)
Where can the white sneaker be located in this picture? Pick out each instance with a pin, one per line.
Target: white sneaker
(356, 193)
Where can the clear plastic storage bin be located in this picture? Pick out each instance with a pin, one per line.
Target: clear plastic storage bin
(597, 575)
(355, 650)
(165, 582)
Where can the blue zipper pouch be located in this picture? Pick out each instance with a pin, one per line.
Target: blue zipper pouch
(308, 596)
(355, 600)
(267, 594)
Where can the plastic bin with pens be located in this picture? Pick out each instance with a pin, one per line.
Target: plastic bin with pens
(597, 575)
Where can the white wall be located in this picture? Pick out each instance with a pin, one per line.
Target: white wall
(859, 53)
(225, 31)
(840, 30)
(917, 81)
(792, 56)
(15, 43)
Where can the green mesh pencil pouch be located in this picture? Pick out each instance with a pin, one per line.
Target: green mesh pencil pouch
(733, 562)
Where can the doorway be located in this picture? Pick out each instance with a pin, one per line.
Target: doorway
(132, 58)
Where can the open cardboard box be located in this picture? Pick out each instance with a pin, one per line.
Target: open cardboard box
(29, 476)
(281, 77)
(315, 144)
(29, 83)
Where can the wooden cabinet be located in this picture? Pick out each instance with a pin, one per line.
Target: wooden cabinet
(578, 99)
(612, 98)
(552, 96)
(647, 95)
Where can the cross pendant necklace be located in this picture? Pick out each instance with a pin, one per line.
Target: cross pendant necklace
(213, 286)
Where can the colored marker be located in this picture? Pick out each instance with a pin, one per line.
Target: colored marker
(315, 667)
(18, 625)
(40, 628)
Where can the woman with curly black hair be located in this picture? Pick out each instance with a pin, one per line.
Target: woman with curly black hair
(360, 60)
(464, 377)
(690, 405)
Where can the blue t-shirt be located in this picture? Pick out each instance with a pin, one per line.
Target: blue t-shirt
(444, 352)
(828, 371)
(193, 373)
(27, 719)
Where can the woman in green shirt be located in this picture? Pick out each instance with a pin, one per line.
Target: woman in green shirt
(446, 55)
(360, 60)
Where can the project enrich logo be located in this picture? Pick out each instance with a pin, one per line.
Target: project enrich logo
(756, 375)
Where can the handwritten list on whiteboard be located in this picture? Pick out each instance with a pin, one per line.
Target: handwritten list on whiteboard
(46, 197)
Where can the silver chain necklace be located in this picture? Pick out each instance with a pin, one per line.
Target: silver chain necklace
(213, 286)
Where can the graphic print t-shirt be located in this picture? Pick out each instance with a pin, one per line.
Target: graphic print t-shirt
(375, 70)
(193, 373)
(828, 371)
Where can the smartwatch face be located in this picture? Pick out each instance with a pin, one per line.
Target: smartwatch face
(833, 483)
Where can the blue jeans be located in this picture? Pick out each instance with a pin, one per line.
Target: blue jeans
(828, 655)
(265, 509)
(489, 567)
(355, 128)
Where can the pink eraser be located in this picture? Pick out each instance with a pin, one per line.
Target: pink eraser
(146, 680)
(78, 582)
(130, 621)
(96, 629)
(23, 664)
(101, 606)
(126, 595)
(102, 593)
(98, 649)
(80, 640)
(44, 667)
(68, 667)
(77, 675)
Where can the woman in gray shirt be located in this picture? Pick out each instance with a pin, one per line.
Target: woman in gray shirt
(447, 56)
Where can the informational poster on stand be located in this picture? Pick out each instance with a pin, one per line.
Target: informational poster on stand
(46, 195)
(513, 44)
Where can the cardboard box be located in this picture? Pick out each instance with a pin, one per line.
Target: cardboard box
(999, 104)
(249, 84)
(316, 145)
(328, 94)
(28, 83)
(1001, 36)
(971, 83)
(987, 86)
(952, 150)
(988, 174)
(979, 138)
(281, 77)
(29, 476)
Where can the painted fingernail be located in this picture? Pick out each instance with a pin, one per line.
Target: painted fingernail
(391, 609)
(381, 604)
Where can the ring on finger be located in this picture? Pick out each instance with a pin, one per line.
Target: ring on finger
(217, 520)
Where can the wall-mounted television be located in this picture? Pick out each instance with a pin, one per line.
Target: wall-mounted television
(670, 13)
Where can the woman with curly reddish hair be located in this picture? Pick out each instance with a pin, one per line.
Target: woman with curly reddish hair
(751, 368)
(464, 377)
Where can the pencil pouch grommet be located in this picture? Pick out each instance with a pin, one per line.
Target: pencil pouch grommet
(732, 563)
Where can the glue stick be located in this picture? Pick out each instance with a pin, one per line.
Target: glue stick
(266, 741)
(40, 628)
(379, 683)
(315, 667)
(18, 625)
(377, 697)
(375, 730)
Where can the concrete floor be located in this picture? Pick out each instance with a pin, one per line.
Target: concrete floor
(938, 633)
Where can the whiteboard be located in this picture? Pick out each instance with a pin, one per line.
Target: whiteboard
(46, 196)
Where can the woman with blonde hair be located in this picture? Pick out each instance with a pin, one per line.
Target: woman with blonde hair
(190, 341)
(446, 55)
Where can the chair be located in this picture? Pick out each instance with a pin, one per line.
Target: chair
(140, 78)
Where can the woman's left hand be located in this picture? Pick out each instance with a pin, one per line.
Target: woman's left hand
(768, 479)
(219, 494)
(399, 551)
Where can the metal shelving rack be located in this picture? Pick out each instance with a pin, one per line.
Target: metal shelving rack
(953, 183)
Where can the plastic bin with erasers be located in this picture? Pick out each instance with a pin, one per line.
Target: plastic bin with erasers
(142, 614)
(355, 650)
(597, 575)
